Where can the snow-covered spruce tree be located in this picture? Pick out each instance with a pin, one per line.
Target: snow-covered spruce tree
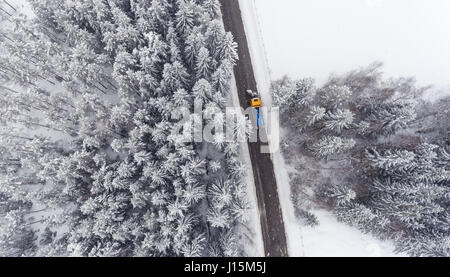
(330, 145)
(432, 120)
(314, 115)
(16, 238)
(107, 80)
(333, 96)
(292, 97)
(338, 120)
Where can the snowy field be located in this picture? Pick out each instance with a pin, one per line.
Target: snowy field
(313, 38)
(334, 239)
(330, 238)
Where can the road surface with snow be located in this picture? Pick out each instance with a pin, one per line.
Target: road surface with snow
(272, 225)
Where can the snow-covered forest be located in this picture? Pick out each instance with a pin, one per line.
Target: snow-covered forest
(374, 152)
(92, 161)
(102, 150)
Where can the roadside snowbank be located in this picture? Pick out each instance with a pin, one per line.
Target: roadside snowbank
(251, 238)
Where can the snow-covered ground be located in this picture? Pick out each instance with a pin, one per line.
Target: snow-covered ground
(313, 38)
(330, 238)
(334, 239)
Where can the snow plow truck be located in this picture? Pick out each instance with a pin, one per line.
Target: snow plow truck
(256, 104)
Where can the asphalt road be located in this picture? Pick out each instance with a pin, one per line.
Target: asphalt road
(272, 225)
